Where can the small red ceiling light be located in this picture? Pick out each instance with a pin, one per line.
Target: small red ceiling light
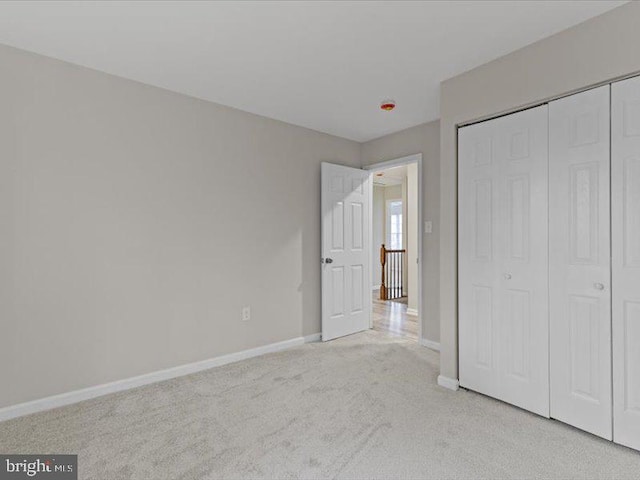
(388, 105)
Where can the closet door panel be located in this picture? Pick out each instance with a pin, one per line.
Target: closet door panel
(478, 182)
(523, 275)
(625, 180)
(579, 275)
(503, 312)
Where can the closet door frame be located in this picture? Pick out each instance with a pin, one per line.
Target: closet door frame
(625, 430)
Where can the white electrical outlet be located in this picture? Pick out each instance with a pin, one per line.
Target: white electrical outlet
(428, 227)
(246, 314)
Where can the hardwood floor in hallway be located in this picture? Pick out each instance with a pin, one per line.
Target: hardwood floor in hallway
(390, 316)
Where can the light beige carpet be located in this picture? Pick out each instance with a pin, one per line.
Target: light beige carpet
(366, 406)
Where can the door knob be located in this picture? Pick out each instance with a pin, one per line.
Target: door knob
(598, 286)
(507, 276)
(327, 260)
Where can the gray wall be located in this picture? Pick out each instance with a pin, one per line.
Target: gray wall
(423, 139)
(135, 223)
(600, 49)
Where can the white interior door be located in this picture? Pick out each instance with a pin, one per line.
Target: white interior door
(625, 181)
(346, 254)
(503, 258)
(579, 241)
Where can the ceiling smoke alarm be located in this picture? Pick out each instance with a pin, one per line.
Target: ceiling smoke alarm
(388, 105)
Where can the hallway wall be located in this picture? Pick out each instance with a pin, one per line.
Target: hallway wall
(378, 228)
(412, 237)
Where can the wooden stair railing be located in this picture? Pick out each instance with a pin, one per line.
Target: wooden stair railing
(391, 285)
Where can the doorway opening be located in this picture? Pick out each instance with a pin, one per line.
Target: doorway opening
(396, 247)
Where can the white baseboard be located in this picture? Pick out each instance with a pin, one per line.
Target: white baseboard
(412, 311)
(430, 344)
(76, 396)
(449, 383)
(314, 337)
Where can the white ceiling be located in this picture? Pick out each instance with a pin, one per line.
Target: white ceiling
(322, 65)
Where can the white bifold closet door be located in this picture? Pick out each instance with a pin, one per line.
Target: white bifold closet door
(503, 258)
(579, 261)
(625, 181)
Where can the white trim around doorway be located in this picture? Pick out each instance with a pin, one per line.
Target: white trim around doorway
(397, 162)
